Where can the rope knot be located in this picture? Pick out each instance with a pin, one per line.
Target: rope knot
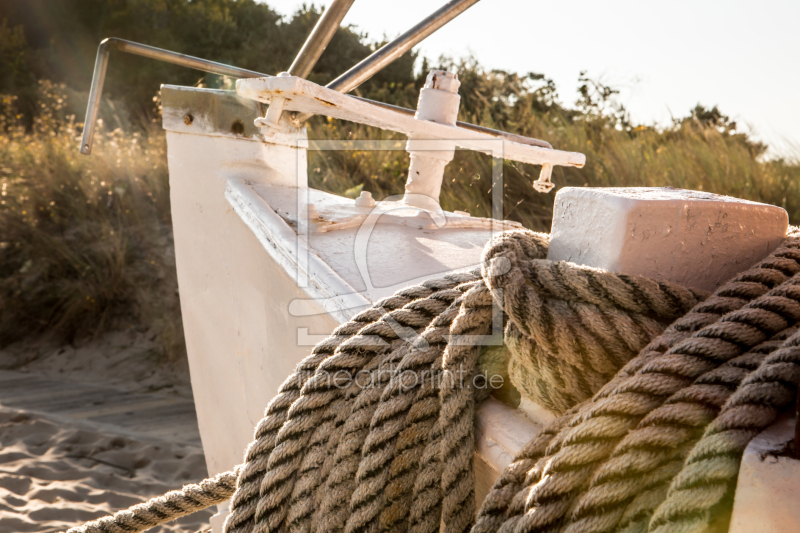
(572, 327)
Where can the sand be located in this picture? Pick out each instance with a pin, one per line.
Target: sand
(56, 473)
(128, 360)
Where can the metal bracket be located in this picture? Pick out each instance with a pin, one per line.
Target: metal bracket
(304, 96)
(543, 184)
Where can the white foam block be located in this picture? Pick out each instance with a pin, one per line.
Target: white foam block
(693, 238)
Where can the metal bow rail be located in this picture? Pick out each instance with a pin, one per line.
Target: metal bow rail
(315, 44)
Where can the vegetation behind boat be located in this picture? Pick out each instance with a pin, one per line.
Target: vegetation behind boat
(86, 242)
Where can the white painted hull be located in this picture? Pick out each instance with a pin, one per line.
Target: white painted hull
(255, 298)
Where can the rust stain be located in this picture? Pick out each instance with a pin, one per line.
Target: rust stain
(324, 101)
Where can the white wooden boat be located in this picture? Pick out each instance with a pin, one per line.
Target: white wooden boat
(267, 266)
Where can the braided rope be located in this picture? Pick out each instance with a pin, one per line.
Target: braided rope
(458, 409)
(340, 484)
(651, 440)
(646, 459)
(573, 327)
(622, 396)
(320, 458)
(243, 504)
(669, 364)
(395, 428)
(318, 392)
(172, 505)
(426, 499)
(711, 470)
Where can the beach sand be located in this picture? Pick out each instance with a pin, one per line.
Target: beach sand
(56, 473)
(126, 360)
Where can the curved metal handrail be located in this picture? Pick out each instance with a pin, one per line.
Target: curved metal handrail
(306, 58)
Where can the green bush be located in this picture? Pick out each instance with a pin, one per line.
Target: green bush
(86, 242)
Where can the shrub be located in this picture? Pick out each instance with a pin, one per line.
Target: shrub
(85, 242)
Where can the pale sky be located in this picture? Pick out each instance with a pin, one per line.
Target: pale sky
(665, 57)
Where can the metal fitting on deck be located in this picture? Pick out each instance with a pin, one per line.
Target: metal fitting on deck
(438, 102)
(273, 117)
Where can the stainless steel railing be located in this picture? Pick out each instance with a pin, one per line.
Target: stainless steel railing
(302, 65)
(319, 38)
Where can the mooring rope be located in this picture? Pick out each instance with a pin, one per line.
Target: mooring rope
(625, 488)
(654, 417)
(166, 508)
(555, 470)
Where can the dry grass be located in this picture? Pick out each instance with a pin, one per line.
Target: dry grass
(86, 242)
(690, 155)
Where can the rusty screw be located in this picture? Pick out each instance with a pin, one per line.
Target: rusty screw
(237, 127)
(188, 119)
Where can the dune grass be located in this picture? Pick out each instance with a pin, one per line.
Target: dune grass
(697, 153)
(86, 242)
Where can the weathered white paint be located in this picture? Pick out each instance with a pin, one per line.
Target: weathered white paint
(218, 113)
(365, 199)
(305, 96)
(261, 283)
(240, 349)
(537, 412)
(500, 432)
(364, 253)
(543, 184)
(768, 490)
(693, 238)
(302, 264)
(438, 102)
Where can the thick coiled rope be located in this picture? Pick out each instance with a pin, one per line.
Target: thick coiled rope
(548, 487)
(710, 473)
(624, 490)
(645, 442)
(571, 328)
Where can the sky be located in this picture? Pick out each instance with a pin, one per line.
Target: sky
(664, 57)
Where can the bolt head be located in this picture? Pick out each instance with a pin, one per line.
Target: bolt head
(443, 81)
(365, 199)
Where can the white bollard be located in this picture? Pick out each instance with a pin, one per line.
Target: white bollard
(438, 102)
(692, 238)
(768, 487)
